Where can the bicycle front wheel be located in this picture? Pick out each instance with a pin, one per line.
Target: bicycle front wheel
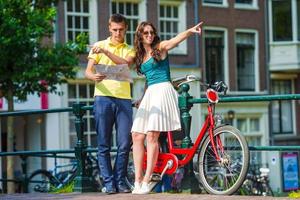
(226, 175)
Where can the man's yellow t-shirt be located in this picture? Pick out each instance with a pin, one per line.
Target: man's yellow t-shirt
(112, 88)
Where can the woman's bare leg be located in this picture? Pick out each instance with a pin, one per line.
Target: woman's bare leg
(138, 150)
(152, 154)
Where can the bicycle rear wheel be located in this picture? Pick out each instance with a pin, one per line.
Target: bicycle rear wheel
(41, 181)
(226, 175)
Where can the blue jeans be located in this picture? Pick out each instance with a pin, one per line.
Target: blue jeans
(110, 111)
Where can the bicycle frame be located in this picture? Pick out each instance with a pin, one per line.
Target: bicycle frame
(223, 157)
(208, 125)
(164, 157)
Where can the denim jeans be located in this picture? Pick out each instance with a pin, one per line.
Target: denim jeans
(110, 111)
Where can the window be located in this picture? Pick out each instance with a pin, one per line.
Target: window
(282, 119)
(221, 3)
(282, 20)
(214, 55)
(250, 128)
(246, 4)
(81, 92)
(250, 125)
(255, 156)
(131, 11)
(244, 1)
(172, 20)
(254, 125)
(168, 21)
(245, 50)
(252, 131)
(79, 19)
(213, 1)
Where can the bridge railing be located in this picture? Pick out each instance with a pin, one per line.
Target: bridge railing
(82, 182)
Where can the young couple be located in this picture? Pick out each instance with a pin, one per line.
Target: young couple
(157, 111)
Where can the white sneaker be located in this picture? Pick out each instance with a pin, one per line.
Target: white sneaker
(137, 188)
(146, 187)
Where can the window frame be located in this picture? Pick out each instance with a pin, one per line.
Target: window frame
(248, 119)
(181, 49)
(142, 13)
(271, 24)
(250, 135)
(293, 107)
(256, 58)
(224, 4)
(92, 19)
(226, 51)
(252, 6)
(295, 24)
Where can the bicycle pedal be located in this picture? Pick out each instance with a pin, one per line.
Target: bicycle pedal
(155, 177)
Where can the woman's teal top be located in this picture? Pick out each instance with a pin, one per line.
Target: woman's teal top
(156, 71)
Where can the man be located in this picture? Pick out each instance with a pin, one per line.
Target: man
(112, 105)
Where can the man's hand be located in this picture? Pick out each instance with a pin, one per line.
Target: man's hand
(97, 49)
(115, 58)
(98, 77)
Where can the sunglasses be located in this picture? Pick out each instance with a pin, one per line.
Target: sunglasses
(148, 32)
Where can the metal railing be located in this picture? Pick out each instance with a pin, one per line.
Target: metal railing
(82, 182)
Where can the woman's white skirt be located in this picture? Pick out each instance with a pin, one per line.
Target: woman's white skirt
(158, 110)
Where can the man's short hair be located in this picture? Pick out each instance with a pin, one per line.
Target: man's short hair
(117, 18)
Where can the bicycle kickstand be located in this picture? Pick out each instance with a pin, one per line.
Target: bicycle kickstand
(155, 177)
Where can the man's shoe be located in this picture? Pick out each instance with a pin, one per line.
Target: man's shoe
(123, 188)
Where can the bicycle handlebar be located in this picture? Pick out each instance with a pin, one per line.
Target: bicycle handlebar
(177, 82)
(219, 86)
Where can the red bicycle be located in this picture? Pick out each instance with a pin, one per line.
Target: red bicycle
(223, 158)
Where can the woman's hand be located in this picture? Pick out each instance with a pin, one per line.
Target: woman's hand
(137, 103)
(197, 28)
(167, 45)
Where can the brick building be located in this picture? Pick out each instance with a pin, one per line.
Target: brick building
(243, 44)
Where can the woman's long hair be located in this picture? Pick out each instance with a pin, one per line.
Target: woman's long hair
(139, 48)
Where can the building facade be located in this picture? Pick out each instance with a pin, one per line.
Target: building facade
(57, 130)
(246, 43)
(170, 17)
(284, 69)
(234, 50)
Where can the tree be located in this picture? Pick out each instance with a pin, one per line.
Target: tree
(29, 58)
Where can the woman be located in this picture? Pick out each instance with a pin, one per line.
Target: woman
(158, 110)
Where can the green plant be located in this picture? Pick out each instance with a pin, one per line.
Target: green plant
(294, 194)
(68, 188)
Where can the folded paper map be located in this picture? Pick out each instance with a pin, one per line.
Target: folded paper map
(114, 72)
